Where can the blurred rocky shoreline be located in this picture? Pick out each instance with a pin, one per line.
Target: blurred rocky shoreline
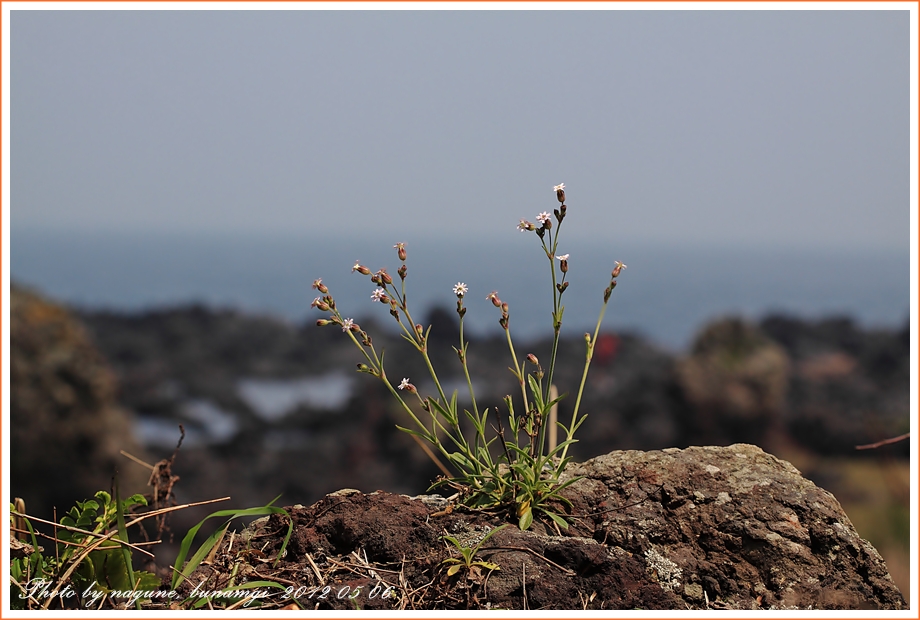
(270, 407)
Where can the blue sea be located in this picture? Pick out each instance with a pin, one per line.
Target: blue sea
(666, 293)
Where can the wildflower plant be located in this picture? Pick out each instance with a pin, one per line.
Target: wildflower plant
(497, 466)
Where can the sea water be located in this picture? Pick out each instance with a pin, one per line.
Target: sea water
(666, 293)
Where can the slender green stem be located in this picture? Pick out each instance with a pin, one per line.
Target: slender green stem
(434, 377)
(584, 375)
(418, 339)
(466, 370)
(518, 372)
(557, 302)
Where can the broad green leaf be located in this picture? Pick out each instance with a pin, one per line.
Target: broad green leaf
(526, 520)
(559, 520)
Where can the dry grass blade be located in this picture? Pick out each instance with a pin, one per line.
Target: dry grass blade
(159, 511)
(319, 576)
(101, 537)
(531, 551)
(136, 460)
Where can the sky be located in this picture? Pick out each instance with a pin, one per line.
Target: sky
(768, 128)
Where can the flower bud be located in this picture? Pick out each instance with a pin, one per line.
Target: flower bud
(401, 250)
(533, 359)
(525, 225)
(560, 193)
(564, 266)
(318, 285)
(609, 290)
(587, 339)
(562, 286)
(616, 270)
(504, 308)
(364, 271)
(402, 272)
(323, 322)
(320, 304)
(385, 277)
(493, 297)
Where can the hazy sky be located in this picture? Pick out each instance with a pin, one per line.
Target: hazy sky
(766, 127)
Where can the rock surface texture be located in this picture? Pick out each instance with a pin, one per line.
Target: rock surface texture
(702, 528)
(732, 525)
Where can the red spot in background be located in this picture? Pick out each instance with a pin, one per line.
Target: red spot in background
(606, 349)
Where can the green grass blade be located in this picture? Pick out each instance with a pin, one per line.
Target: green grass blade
(123, 535)
(179, 577)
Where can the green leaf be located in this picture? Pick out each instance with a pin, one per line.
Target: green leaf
(488, 536)
(461, 461)
(558, 520)
(211, 541)
(556, 400)
(453, 570)
(123, 535)
(426, 436)
(561, 446)
(488, 565)
(526, 520)
(536, 391)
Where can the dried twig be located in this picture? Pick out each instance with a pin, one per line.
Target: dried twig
(883, 442)
(531, 551)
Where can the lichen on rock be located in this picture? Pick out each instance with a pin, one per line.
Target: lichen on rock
(702, 528)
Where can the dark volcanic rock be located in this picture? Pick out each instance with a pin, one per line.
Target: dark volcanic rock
(701, 528)
(848, 386)
(66, 428)
(734, 382)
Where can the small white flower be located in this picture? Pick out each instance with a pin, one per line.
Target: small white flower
(346, 324)
(460, 289)
(400, 246)
(316, 302)
(357, 265)
(378, 294)
(404, 384)
(563, 257)
(558, 187)
(543, 217)
(524, 226)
